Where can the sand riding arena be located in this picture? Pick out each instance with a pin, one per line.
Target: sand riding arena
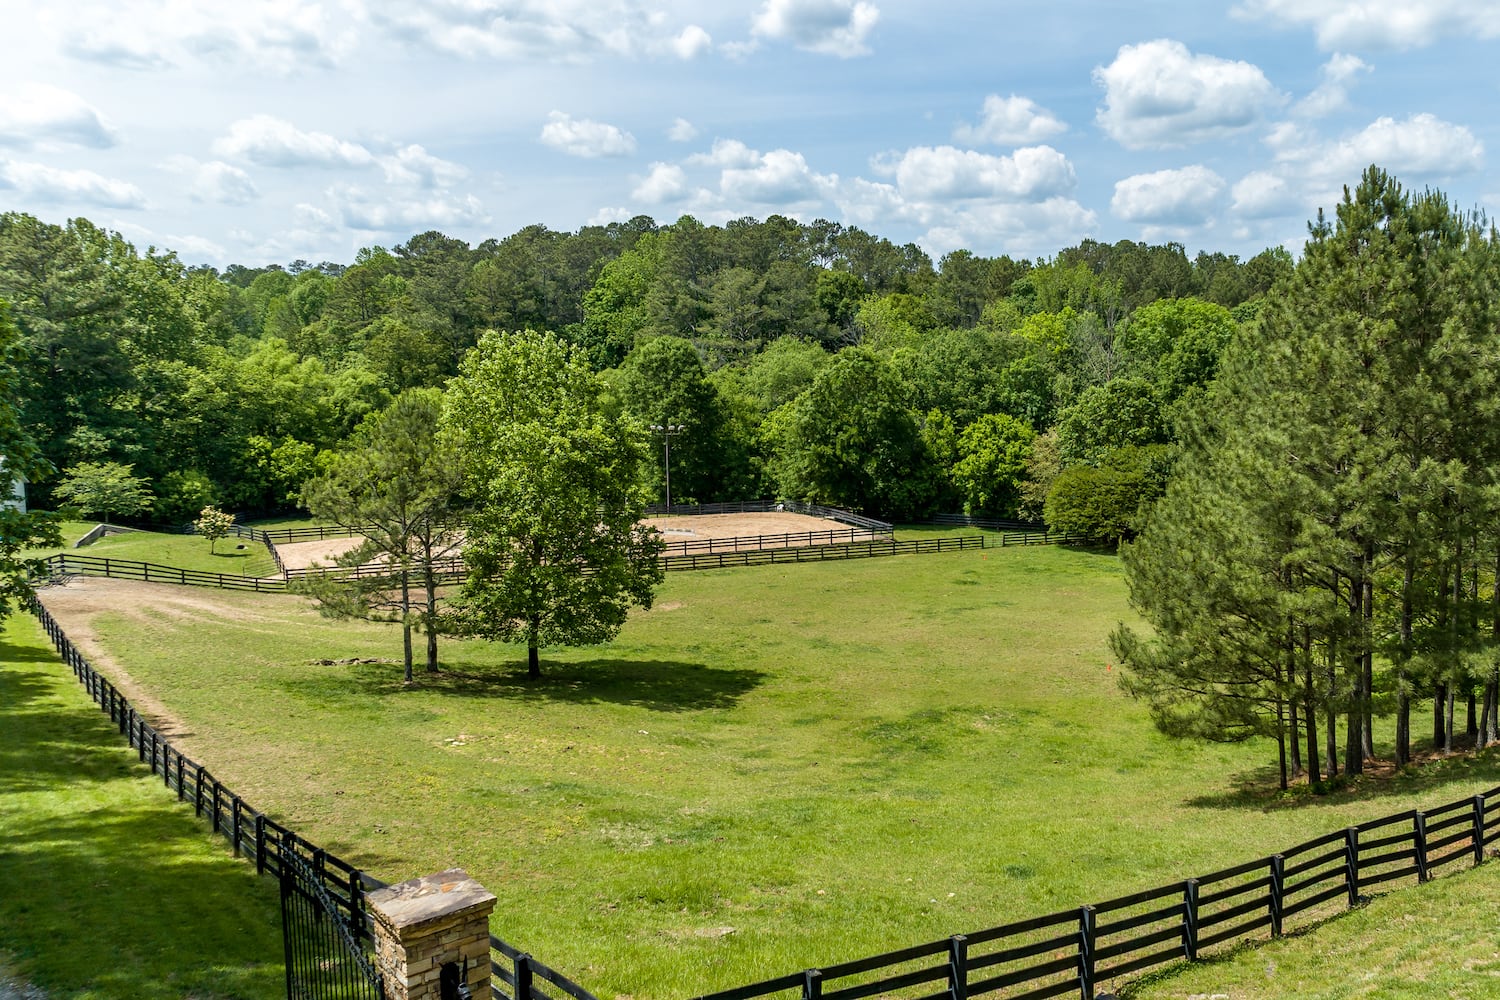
(683, 534)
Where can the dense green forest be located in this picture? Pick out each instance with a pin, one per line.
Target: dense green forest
(809, 361)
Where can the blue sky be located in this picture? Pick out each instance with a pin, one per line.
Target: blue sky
(269, 130)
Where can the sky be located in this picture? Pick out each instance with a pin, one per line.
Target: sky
(267, 131)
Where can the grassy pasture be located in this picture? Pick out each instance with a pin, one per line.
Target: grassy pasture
(182, 551)
(774, 768)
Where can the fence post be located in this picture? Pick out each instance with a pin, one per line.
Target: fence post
(1351, 864)
(179, 778)
(1278, 892)
(260, 844)
(1190, 919)
(523, 977)
(812, 984)
(958, 967)
(213, 818)
(1086, 952)
(1478, 836)
(198, 791)
(234, 823)
(1419, 844)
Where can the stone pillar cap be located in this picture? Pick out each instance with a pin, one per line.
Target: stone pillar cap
(419, 901)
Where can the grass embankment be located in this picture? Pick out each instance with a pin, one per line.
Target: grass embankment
(1436, 940)
(111, 890)
(231, 556)
(774, 768)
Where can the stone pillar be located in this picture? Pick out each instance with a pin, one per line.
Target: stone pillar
(428, 923)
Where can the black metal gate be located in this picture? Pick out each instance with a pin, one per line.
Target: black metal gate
(324, 960)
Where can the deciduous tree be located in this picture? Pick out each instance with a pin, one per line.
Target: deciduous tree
(556, 550)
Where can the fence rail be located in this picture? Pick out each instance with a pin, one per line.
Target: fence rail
(252, 834)
(67, 564)
(821, 553)
(987, 523)
(741, 542)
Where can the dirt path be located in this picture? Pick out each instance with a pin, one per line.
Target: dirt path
(78, 603)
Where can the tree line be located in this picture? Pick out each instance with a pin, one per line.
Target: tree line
(812, 361)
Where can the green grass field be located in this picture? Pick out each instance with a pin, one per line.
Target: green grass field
(231, 556)
(775, 768)
(108, 888)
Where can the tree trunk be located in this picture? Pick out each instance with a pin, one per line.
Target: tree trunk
(431, 622)
(1281, 739)
(406, 622)
(1310, 707)
(1439, 695)
(533, 653)
(1330, 721)
(1367, 660)
(1403, 697)
(1448, 720)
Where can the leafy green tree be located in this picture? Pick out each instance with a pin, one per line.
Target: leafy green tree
(1108, 502)
(993, 452)
(556, 550)
(213, 524)
(104, 488)
(850, 441)
(662, 383)
(1109, 417)
(397, 480)
(20, 461)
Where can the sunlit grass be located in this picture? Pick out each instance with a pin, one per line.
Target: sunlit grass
(231, 556)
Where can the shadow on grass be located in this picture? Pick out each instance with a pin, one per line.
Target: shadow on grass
(657, 685)
(1465, 773)
(161, 911)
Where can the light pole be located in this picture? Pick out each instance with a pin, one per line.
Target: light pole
(667, 432)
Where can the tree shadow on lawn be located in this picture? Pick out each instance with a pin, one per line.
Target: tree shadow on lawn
(48, 744)
(657, 685)
(1258, 788)
(162, 912)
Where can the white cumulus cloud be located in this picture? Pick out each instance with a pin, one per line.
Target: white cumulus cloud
(274, 142)
(1332, 93)
(781, 177)
(66, 187)
(586, 138)
(1011, 121)
(40, 116)
(727, 153)
(947, 173)
(1184, 197)
(682, 130)
(215, 181)
(1264, 194)
(1386, 24)
(831, 27)
(414, 165)
(666, 182)
(1421, 144)
(691, 41)
(377, 211)
(1159, 94)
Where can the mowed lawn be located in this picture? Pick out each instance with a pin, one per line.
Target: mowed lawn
(774, 768)
(109, 890)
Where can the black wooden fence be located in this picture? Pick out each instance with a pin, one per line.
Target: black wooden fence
(772, 506)
(1075, 950)
(67, 564)
(821, 553)
(255, 836)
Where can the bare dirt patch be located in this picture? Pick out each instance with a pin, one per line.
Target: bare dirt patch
(769, 530)
(300, 555)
